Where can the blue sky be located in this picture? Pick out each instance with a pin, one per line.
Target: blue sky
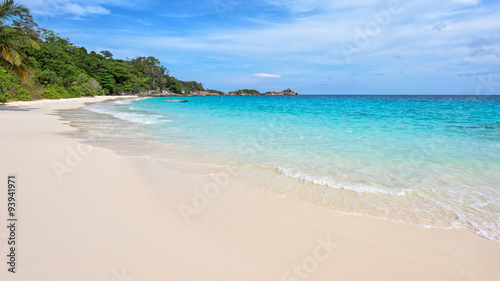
(311, 46)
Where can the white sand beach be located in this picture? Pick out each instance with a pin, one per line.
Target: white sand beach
(86, 213)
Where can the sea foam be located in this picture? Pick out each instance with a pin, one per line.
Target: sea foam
(330, 182)
(133, 117)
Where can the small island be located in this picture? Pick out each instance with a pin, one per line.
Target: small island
(204, 93)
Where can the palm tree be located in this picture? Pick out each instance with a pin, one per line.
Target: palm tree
(9, 9)
(13, 39)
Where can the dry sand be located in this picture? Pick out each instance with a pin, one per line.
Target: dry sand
(120, 218)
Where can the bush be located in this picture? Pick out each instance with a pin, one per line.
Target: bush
(251, 92)
(216, 92)
(84, 86)
(21, 94)
(3, 90)
(74, 93)
(49, 77)
(15, 95)
(55, 92)
(176, 88)
(94, 88)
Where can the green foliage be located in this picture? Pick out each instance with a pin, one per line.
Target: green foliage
(49, 77)
(107, 54)
(29, 26)
(10, 10)
(251, 92)
(14, 39)
(3, 90)
(191, 86)
(55, 92)
(183, 87)
(216, 92)
(85, 86)
(8, 79)
(10, 87)
(156, 75)
(21, 94)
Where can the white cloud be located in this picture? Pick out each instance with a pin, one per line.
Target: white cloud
(78, 8)
(267, 75)
(184, 15)
(304, 6)
(85, 10)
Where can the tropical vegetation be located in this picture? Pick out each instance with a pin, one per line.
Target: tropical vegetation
(37, 63)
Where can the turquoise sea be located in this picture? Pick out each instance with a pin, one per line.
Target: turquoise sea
(426, 160)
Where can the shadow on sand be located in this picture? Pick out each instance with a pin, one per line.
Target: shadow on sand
(4, 107)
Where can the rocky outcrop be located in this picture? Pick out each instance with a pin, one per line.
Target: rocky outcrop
(159, 93)
(286, 92)
(202, 94)
(167, 93)
(244, 93)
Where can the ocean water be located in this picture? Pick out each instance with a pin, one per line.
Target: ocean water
(432, 161)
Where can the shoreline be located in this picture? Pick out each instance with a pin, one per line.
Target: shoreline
(129, 216)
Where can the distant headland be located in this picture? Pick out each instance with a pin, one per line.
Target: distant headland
(208, 92)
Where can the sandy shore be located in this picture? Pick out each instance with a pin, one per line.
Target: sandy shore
(86, 213)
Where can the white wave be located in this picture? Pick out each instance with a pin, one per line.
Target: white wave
(326, 181)
(126, 116)
(122, 102)
(477, 217)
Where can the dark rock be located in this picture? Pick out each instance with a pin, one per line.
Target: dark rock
(286, 92)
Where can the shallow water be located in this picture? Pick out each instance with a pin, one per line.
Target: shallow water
(432, 161)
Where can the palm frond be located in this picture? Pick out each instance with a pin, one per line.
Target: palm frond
(6, 54)
(9, 9)
(17, 35)
(23, 72)
(14, 39)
